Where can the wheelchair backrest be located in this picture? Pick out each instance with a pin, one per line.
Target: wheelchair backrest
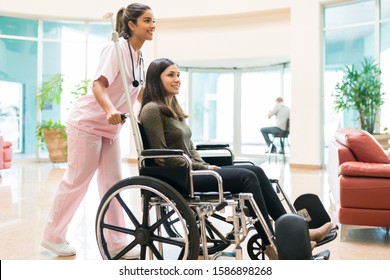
(176, 176)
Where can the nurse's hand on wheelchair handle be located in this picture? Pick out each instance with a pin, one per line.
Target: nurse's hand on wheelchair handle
(123, 116)
(115, 117)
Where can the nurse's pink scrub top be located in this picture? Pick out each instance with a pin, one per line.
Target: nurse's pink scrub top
(87, 114)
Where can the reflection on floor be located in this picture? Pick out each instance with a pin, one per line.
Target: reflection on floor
(27, 190)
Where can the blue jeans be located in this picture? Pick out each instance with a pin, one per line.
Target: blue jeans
(266, 131)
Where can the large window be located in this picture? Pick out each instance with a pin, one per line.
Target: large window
(350, 34)
(259, 89)
(211, 99)
(230, 106)
(385, 65)
(68, 48)
(225, 105)
(18, 64)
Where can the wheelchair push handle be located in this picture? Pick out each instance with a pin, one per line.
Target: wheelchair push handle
(124, 116)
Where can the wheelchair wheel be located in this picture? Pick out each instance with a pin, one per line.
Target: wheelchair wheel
(255, 248)
(216, 240)
(140, 199)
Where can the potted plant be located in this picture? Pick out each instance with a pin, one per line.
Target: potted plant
(360, 90)
(51, 132)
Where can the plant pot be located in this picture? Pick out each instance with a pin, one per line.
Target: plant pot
(56, 144)
(383, 139)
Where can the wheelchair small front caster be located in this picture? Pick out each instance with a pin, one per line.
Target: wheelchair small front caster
(255, 248)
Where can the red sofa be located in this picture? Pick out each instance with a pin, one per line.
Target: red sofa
(5, 154)
(359, 178)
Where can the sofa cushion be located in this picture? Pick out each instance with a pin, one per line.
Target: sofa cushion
(367, 193)
(363, 145)
(365, 169)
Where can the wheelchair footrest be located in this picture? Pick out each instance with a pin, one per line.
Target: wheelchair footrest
(324, 255)
(330, 237)
(311, 208)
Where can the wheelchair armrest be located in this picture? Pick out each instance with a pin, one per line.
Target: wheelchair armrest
(243, 162)
(216, 154)
(216, 176)
(211, 146)
(161, 152)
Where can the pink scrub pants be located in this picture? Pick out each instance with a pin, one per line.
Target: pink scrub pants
(87, 153)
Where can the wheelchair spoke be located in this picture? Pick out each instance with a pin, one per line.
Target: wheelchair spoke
(172, 222)
(155, 251)
(125, 250)
(169, 241)
(162, 220)
(143, 252)
(128, 211)
(118, 228)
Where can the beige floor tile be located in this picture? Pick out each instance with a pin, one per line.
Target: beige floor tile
(27, 190)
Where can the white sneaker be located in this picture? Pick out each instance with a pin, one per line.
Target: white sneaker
(133, 254)
(62, 249)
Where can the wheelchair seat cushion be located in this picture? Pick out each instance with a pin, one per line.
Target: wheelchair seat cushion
(212, 195)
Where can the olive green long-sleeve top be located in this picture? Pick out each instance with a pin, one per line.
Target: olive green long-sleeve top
(165, 132)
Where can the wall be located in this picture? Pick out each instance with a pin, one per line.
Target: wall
(221, 32)
(94, 10)
(306, 99)
(252, 39)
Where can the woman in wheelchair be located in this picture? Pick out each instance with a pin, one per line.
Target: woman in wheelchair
(164, 123)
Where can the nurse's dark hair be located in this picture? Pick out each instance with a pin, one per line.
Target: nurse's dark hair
(155, 91)
(131, 13)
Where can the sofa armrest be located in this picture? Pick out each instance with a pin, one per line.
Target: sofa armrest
(365, 169)
(5, 153)
(1, 152)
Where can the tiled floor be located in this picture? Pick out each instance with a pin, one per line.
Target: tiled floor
(27, 190)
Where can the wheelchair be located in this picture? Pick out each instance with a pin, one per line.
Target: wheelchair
(167, 219)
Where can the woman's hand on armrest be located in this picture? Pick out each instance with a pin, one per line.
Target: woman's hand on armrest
(213, 167)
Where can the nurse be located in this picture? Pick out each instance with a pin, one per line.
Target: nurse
(93, 128)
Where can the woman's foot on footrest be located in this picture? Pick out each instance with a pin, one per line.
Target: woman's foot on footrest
(318, 234)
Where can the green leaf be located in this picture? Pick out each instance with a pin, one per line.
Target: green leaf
(360, 90)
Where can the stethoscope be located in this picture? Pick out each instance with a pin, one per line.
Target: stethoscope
(136, 83)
